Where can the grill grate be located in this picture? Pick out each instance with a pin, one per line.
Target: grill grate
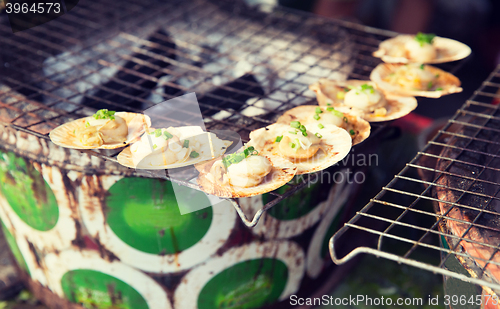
(246, 66)
(448, 193)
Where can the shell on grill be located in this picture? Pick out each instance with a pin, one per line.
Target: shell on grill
(65, 135)
(414, 80)
(335, 143)
(358, 128)
(394, 50)
(332, 92)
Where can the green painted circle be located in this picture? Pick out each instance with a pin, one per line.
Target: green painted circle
(11, 241)
(297, 205)
(27, 193)
(248, 284)
(94, 289)
(144, 213)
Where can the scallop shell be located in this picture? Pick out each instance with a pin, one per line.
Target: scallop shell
(302, 113)
(447, 50)
(218, 147)
(336, 141)
(326, 94)
(281, 173)
(63, 134)
(449, 82)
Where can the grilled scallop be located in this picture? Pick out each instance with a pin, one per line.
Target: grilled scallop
(310, 148)
(172, 148)
(319, 116)
(363, 99)
(104, 130)
(245, 173)
(421, 49)
(415, 80)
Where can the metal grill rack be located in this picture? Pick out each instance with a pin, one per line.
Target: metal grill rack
(246, 65)
(448, 192)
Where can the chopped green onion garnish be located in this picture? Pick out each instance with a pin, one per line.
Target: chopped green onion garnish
(278, 139)
(352, 132)
(439, 89)
(436, 76)
(293, 132)
(345, 120)
(74, 131)
(328, 104)
(104, 114)
(318, 110)
(292, 145)
(157, 132)
(340, 95)
(154, 146)
(239, 156)
(194, 154)
(316, 117)
(429, 85)
(186, 144)
(320, 126)
(167, 135)
(87, 124)
(295, 124)
(421, 67)
(337, 113)
(318, 135)
(329, 109)
(366, 87)
(423, 38)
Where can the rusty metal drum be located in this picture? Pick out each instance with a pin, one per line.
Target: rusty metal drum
(93, 235)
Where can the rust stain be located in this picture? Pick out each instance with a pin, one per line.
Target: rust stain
(33, 251)
(103, 252)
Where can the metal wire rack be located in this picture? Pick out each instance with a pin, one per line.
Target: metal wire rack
(448, 192)
(246, 66)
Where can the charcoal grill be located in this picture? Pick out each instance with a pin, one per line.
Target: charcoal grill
(246, 67)
(402, 217)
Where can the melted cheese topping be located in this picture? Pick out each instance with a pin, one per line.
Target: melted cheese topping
(412, 77)
(420, 52)
(364, 99)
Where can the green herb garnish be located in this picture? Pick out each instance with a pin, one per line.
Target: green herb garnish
(439, 89)
(293, 132)
(423, 38)
(318, 135)
(421, 66)
(366, 87)
(194, 154)
(352, 132)
(318, 110)
(320, 126)
(345, 120)
(87, 124)
(337, 113)
(157, 132)
(185, 144)
(429, 85)
(278, 139)
(316, 117)
(329, 109)
(154, 146)
(167, 135)
(295, 124)
(239, 156)
(104, 114)
(292, 145)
